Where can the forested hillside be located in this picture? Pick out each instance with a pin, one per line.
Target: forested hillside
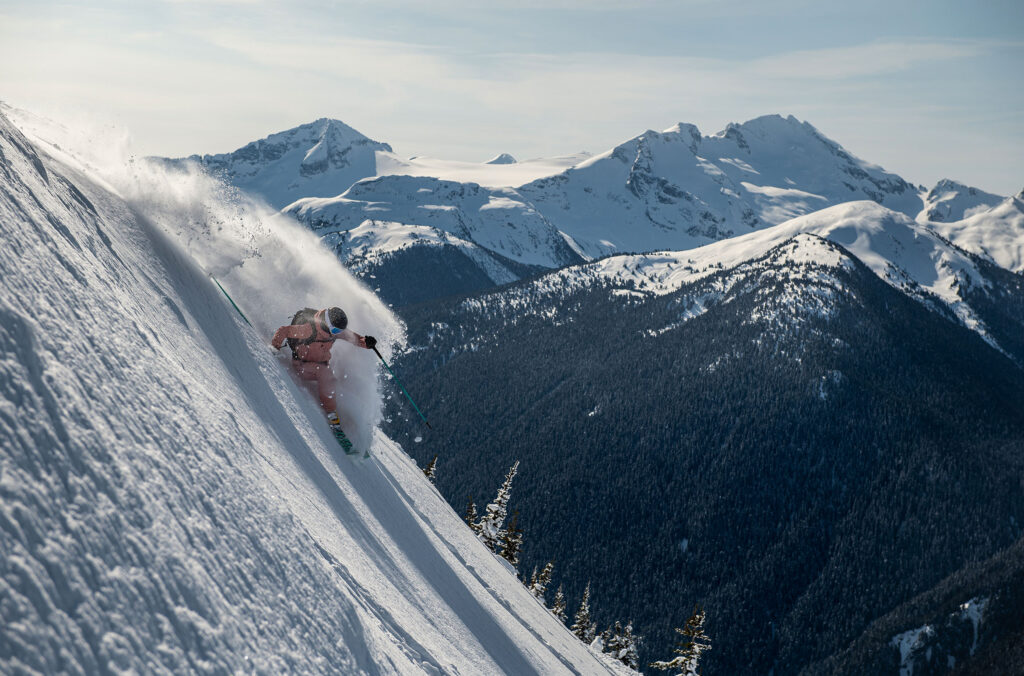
(784, 442)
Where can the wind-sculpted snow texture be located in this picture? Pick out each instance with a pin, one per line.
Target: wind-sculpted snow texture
(170, 500)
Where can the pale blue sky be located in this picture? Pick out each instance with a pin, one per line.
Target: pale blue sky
(926, 89)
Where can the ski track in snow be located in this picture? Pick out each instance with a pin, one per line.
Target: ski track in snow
(170, 500)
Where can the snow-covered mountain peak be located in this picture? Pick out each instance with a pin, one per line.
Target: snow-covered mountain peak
(810, 249)
(678, 190)
(772, 125)
(951, 201)
(683, 128)
(321, 158)
(768, 129)
(503, 158)
(325, 128)
(687, 131)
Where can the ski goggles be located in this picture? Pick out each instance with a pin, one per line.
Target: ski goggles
(331, 327)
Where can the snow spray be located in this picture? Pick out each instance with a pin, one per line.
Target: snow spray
(271, 264)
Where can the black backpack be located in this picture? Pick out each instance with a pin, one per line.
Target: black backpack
(306, 315)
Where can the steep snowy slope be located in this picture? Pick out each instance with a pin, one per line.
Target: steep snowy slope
(170, 500)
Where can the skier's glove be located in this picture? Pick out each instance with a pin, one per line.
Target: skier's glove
(370, 341)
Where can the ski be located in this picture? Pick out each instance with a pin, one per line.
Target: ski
(346, 443)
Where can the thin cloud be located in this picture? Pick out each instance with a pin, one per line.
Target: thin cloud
(192, 88)
(861, 60)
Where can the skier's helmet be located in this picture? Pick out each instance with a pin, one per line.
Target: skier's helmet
(336, 319)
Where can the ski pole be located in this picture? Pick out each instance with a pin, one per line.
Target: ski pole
(230, 300)
(381, 357)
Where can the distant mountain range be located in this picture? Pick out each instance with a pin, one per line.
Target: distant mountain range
(476, 226)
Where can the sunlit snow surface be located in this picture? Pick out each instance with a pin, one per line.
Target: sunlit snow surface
(497, 172)
(170, 500)
(997, 234)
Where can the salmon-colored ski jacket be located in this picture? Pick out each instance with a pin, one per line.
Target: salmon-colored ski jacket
(317, 350)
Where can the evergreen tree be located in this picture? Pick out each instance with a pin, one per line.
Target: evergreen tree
(629, 644)
(559, 606)
(539, 583)
(606, 641)
(512, 541)
(471, 516)
(582, 624)
(431, 468)
(494, 517)
(692, 644)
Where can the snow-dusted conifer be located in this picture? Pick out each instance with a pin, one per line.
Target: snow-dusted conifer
(512, 541)
(494, 517)
(471, 517)
(559, 606)
(431, 469)
(622, 644)
(582, 624)
(693, 642)
(539, 583)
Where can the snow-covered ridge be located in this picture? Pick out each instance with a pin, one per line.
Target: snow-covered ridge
(996, 233)
(496, 219)
(497, 172)
(372, 242)
(905, 254)
(170, 499)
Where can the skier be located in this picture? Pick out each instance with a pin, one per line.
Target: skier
(311, 336)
